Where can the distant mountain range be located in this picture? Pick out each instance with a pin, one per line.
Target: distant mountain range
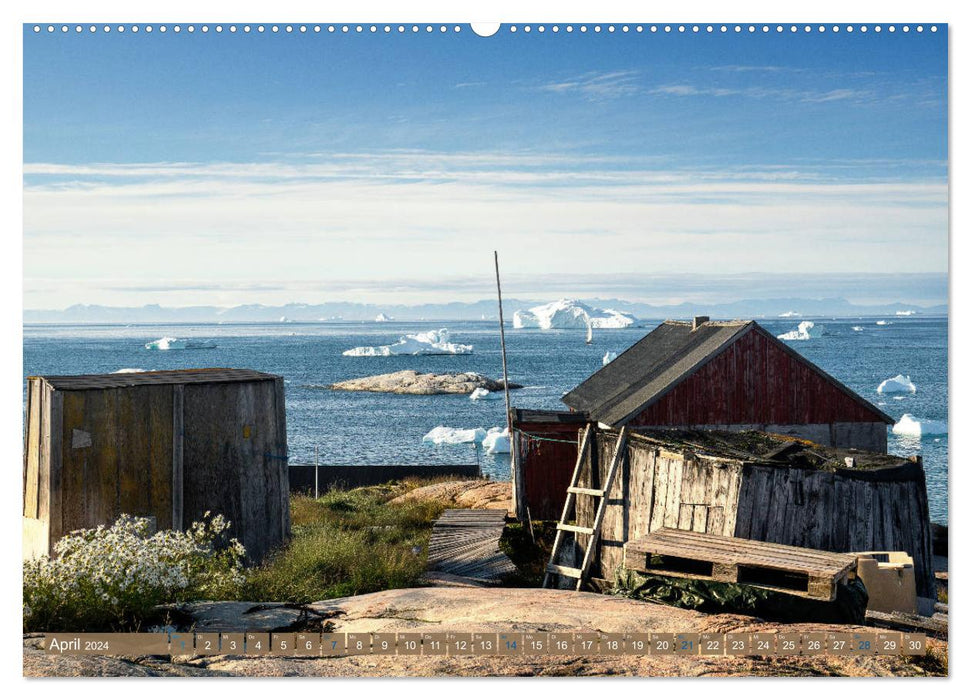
(460, 311)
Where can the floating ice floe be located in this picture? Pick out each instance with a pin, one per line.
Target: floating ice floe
(897, 385)
(428, 343)
(168, 343)
(570, 313)
(382, 318)
(480, 394)
(609, 357)
(790, 314)
(805, 331)
(910, 426)
(443, 435)
(496, 441)
(130, 370)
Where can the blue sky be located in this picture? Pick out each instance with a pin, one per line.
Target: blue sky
(287, 159)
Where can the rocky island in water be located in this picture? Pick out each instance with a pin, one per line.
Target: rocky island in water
(411, 382)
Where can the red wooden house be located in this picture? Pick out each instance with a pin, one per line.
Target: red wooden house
(711, 375)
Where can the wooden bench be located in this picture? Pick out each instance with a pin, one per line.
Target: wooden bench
(810, 573)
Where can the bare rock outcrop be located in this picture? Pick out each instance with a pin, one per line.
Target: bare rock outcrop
(411, 382)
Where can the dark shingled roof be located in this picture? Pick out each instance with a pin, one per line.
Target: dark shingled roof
(649, 368)
(214, 375)
(659, 361)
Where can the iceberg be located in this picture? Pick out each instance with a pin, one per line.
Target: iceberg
(884, 323)
(897, 385)
(443, 435)
(571, 313)
(481, 394)
(609, 357)
(907, 312)
(168, 343)
(790, 314)
(496, 441)
(428, 343)
(382, 318)
(130, 370)
(805, 331)
(910, 426)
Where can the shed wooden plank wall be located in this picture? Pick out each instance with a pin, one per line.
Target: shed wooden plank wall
(116, 456)
(655, 488)
(840, 512)
(235, 461)
(547, 466)
(753, 381)
(843, 511)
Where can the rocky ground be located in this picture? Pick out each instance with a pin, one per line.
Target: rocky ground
(472, 609)
(411, 382)
(465, 494)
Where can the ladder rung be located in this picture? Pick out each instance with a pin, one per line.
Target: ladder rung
(575, 528)
(585, 491)
(563, 570)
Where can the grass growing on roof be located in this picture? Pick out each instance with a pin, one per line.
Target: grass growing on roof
(347, 543)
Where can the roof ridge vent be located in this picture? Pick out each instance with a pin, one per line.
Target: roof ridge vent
(698, 320)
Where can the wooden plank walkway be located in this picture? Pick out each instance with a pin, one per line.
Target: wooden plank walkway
(810, 573)
(465, 542)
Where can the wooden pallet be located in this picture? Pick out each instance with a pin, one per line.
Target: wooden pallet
(465, 542)
(810, 573)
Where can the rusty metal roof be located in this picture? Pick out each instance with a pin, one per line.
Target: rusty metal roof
(211, 375)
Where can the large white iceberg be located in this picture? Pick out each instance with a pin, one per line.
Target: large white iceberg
(496, 441)
(382, 318)
(443, 435)
(910, 426)
(168, 343)
(570, 313)
(480, 394)
(897, 385)
(428, 343)
(609, 357)
(805, 331)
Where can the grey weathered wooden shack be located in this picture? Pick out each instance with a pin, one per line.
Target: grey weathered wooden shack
(170, 445)
(754, 486)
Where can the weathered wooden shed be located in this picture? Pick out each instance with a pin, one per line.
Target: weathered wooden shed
(170, 445)
(707, 375)
(727, 375)
(754, 486)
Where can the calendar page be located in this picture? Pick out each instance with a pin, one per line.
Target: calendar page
(518, 349)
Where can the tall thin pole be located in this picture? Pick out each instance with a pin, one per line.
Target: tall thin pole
(505, 386)
(316, 471)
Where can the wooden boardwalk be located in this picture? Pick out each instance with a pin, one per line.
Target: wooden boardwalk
(465, 542)
(798, 571)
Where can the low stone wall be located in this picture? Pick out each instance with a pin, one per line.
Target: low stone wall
(353, 476)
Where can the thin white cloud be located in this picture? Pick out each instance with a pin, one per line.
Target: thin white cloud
(598, 85)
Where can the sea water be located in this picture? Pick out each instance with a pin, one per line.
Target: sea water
(370, 428)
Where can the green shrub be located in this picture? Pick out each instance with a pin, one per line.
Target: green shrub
(346, 543)
(111, 578)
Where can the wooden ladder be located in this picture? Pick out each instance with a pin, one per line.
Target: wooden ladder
(571, 497)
